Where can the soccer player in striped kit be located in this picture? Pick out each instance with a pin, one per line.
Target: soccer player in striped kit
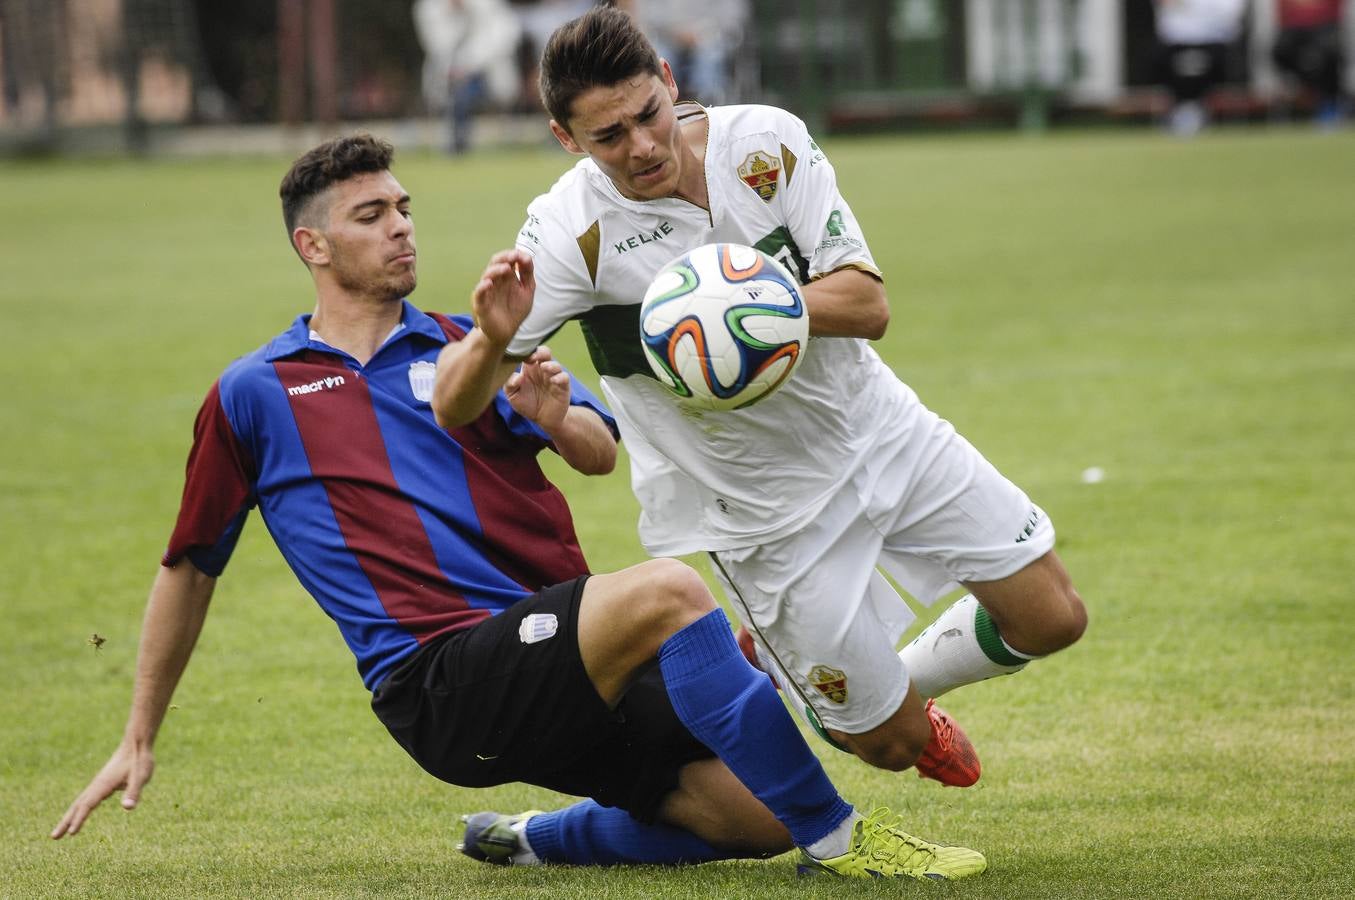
(450, 565)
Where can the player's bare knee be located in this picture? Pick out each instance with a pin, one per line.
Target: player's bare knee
(675, 595)
(1077, 618)
(1065, 628)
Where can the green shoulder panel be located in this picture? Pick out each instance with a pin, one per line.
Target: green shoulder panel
(780, 246)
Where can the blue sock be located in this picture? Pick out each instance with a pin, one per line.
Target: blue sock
(733, 709)
(587, 834)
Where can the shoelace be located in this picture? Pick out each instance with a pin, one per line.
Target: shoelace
(882, 839)
(943, 729)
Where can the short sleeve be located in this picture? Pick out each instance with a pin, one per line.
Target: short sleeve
(218, 491)
(817, 215)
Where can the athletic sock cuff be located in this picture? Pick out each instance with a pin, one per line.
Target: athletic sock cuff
(698, 647)
(542, 833)
(991, 642)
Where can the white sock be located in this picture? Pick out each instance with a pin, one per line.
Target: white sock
(836, 842)
(524, 855)
(961, 647)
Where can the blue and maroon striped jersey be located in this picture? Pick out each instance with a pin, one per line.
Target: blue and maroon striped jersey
(401, 530)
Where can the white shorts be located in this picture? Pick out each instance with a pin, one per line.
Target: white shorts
(930, 512)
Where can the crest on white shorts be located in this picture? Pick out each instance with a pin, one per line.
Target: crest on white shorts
(421, 379)
(538, 627)
(832, 683)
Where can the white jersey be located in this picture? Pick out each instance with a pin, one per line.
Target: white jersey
(717, 480)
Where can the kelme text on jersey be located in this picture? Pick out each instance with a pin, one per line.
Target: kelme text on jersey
(644, 237)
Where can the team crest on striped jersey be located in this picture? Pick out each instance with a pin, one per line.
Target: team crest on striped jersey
(421, 379)
(832, 683)
(761, 171)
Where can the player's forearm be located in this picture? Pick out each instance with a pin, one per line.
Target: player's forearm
(585, 442)
(847, 303)
(470, 372)
(174, 616)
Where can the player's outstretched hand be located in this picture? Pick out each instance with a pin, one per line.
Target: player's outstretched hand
(503, 297)
(128, 770)
(539, 389)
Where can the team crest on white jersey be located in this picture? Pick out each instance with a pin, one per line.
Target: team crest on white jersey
(421, 379)
(832, 683)
(538, 627)
(761, 172)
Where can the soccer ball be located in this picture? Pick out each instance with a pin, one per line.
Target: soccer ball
(723, 326)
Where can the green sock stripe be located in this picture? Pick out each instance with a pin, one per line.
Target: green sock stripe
(990, 642)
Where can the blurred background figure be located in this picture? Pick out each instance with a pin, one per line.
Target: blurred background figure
(539, 18)
(470, 60)
(34, 70)
(1195, 36)
(699, 39)
(1309, 49)
(9, 69)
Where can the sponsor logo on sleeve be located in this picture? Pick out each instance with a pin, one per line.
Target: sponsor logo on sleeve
(838, 235)
(529, 232)
(1032, 522)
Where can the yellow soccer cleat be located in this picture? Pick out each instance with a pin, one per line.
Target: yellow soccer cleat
(880, 849)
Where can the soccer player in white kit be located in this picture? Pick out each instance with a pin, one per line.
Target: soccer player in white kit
(842, 474)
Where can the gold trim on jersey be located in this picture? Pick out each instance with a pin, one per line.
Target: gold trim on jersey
(590, 245)
(860, 267)
(790, 160)
(687, 109)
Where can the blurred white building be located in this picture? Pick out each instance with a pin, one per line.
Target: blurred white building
(854, 61)
(1082, 46)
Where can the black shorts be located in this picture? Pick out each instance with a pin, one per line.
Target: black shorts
(500, 703)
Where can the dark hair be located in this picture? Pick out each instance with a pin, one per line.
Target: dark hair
(599, 48)
(326, 165)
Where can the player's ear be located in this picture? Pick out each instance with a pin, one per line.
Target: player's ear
(311, 245)
(565, 139)
(668, 80)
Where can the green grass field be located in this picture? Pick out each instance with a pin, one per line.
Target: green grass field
(1181, 315)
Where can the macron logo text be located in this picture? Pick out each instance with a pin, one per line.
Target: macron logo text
(324, 384)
